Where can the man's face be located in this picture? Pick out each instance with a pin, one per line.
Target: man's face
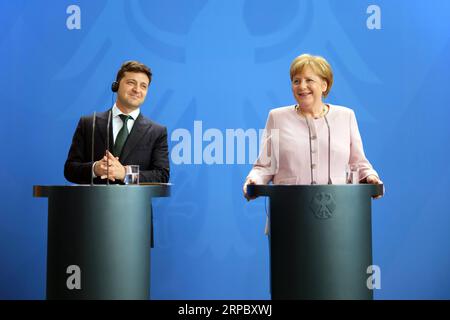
(132, 90)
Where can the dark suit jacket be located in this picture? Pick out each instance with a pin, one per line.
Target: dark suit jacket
(146, 146)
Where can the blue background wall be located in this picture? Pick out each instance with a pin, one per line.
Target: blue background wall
(226, 63)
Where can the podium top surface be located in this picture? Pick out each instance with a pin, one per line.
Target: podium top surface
(150, 189)
(269, 190)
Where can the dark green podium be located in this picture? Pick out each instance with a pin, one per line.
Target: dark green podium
(98, 243)
(320, 240)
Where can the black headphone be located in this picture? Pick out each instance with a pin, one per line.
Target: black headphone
(115, 86)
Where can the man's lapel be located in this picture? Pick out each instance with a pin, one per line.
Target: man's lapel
(140, 127)
(101, 126)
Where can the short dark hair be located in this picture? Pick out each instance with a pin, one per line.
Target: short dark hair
(133, 66)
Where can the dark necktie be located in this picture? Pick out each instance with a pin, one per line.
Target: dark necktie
(121, 136)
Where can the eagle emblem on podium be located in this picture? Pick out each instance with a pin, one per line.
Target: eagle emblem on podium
(323, 205)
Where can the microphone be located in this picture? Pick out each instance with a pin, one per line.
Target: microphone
(107, 147)
(92, 147)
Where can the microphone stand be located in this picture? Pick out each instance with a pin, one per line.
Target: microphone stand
(310, 150)
(329, 149)
(313, 181)
(107, 148)
(92, 147)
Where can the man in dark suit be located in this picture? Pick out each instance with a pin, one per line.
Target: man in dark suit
(133, 139)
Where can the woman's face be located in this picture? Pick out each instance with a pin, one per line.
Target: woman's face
(308, 88)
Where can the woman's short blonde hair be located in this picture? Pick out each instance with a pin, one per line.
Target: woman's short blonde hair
(318, 64)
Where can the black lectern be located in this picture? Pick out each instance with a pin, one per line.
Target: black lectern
(320, 240)
(99, 240)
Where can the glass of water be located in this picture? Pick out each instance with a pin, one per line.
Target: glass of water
(131, 174)
(352, 174)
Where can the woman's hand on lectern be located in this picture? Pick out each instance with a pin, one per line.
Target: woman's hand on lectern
(244, 188)
(373, 179)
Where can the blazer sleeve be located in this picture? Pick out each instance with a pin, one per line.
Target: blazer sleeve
(266, 165)
(159, 164)
(78, 168)
(357, 156)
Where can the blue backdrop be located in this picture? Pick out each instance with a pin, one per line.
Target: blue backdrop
(226, 64)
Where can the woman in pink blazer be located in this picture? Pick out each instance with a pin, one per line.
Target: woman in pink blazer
(311, 142)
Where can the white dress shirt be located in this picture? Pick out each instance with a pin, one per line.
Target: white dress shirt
(117, 123)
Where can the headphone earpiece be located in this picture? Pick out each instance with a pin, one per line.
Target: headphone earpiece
(115, 86)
